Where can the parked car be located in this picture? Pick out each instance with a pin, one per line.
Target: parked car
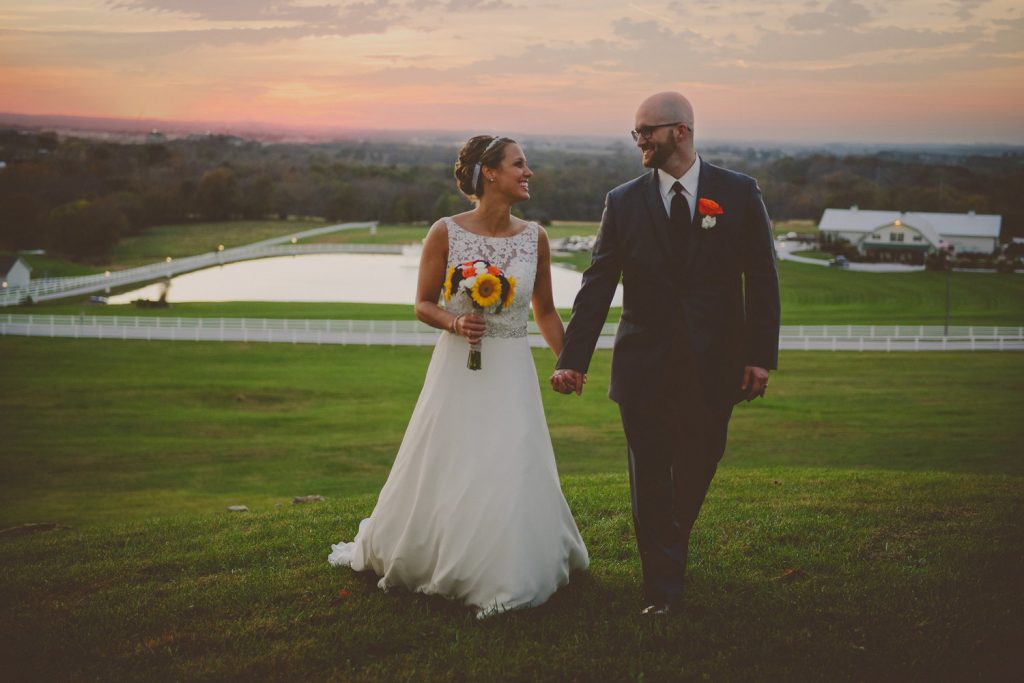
(840, 262)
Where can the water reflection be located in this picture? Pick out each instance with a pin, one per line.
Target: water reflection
(356, 278)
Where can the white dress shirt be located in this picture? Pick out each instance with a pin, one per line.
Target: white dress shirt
(688, 181)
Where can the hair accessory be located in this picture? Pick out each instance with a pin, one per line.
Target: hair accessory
(476, 168)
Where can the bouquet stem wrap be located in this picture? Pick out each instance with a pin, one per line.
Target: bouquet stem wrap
(475, 360)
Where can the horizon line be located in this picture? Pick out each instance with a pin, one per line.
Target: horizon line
(237, 128)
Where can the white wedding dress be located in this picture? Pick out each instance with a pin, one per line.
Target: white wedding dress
(472, 509)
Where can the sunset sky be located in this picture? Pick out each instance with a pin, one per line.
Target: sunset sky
(936, 71)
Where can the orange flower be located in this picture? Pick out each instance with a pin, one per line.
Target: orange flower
(709, 207)
(494, 270)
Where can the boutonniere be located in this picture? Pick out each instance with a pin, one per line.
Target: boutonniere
(708, 208)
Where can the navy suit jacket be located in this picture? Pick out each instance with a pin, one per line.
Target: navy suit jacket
(723, 302)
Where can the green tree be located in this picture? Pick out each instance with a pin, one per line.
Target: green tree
(217, 195)
(449, 204)
(20, 224)
(86, 230)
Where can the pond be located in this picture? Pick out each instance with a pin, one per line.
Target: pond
(354, 278)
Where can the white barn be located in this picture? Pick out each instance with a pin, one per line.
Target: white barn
(898, 236)
(14, 272)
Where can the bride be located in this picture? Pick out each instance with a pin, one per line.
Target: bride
(472, 509)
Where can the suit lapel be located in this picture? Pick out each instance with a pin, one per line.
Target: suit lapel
(706, 186)
(656, 207)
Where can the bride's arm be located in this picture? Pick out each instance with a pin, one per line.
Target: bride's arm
(430, 280)
(544, 311)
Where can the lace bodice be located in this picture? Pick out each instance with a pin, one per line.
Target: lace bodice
(516, 255)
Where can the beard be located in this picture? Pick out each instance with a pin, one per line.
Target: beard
(660, 152)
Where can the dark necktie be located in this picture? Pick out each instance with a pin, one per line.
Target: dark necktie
(679, 217)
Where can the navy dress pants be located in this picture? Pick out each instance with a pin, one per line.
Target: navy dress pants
(676, 440)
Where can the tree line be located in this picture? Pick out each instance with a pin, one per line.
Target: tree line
(79, 196)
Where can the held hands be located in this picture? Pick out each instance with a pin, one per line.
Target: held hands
(470, 326)
(755, 382)
(568, 381)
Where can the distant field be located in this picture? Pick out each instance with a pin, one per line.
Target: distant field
(384, 234)
(45, 265)
(188, 239)
(822, 255)
(812, 295)
(805, 227)
(408, 234)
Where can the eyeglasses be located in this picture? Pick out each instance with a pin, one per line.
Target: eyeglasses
(646, 132)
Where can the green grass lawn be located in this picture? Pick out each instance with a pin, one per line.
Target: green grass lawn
(188, 239)
(796, 574)
(820, 255)
(94, 429)
(404, 233)
(866, 524)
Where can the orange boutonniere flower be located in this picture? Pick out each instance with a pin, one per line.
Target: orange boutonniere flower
(708, 208)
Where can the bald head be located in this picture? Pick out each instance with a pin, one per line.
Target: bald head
(664, 145)
(665, 107)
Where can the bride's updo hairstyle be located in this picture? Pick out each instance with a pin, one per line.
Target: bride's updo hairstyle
(480, 151)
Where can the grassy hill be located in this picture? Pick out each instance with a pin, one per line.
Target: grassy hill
(866, 523)
(796, 574)
(97, 429)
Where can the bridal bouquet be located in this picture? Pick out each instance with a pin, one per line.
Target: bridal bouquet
(488, 289)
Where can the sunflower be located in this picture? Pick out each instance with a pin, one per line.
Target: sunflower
(448, 284)
(511, 292)
(486, 290)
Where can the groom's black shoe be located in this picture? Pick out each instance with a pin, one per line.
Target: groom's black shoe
(659, 609)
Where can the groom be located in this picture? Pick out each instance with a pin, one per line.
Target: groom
(699, 330)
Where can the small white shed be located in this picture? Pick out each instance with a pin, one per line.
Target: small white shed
(14, 272)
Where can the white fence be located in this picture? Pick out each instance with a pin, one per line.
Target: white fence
(60, 287)
(415, 333)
